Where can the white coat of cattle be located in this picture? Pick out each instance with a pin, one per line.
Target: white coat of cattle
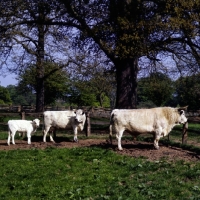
(63, 120)
(156, 121)
(22, 126)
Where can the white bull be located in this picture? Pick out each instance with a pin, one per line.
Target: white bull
(156, 121)
(63, 120)
(22, 126)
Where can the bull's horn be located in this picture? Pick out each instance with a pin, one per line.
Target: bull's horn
(182, 108)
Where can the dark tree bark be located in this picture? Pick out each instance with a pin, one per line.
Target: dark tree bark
(126, 75)
(39, 64)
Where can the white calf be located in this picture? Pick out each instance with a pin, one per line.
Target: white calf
(22, 126)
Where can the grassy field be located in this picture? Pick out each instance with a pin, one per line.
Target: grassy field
(95, 173)
(85, 173)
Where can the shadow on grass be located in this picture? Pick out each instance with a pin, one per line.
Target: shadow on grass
(58, 139)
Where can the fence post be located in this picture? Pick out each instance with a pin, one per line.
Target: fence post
(19, 109)
(88, 125)
(23, 115)
(185, 134)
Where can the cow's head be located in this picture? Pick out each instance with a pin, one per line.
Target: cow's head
(36, 122)
(80, 116)
(182, 117)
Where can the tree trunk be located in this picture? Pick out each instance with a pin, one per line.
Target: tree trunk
(126, 72)
(39, 64)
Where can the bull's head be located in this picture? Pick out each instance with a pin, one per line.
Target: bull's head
(80, 116)
(182, 118)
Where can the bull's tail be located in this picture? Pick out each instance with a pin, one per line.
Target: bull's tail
(110, 135)
(111, 127)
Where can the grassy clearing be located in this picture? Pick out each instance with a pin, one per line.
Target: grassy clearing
(93, 173)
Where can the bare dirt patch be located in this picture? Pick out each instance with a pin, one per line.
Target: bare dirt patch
(130, 148)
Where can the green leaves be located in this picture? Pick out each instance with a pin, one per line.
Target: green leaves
(157, 88)
(4, 96)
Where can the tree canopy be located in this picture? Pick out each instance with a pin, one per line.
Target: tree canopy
(188, 91)
(21, 97)
(4, 96)
(157, 88)
(127, 32)
(56, 84)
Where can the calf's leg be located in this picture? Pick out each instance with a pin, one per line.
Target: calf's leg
(13, 137)
(9, 134)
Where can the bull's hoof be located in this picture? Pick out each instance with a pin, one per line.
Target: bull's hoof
(76, 141)
(156, 147)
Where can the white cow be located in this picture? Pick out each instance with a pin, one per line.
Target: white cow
(63, 120)
(156, 121)
(22, 126)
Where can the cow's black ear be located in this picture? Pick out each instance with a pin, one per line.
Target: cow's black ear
(83, 113)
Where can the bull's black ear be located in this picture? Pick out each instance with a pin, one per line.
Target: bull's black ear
(83, 113)
(181, 112)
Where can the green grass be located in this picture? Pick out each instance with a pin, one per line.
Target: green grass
(93, 173)
(96, 174)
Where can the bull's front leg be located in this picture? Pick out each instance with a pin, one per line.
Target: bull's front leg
(75, 134)
(156, 140)
(157, 136)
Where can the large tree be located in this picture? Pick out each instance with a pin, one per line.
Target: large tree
(129, 30)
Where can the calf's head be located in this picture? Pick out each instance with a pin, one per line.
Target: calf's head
(36, 122)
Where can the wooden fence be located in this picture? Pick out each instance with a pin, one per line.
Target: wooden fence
(94, 115)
